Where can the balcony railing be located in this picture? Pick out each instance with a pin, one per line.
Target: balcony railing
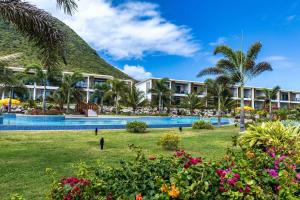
(181, 92)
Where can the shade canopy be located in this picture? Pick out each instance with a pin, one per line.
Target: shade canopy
(6, 101)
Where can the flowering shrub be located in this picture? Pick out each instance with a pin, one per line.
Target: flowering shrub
(136, 127)
(265, 170)
(169, 141)
(203, 125)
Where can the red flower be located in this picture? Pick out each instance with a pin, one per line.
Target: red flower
(195, 161)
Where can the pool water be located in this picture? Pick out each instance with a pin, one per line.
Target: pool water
(59, 122)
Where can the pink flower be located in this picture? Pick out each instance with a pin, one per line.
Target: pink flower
(298, 176)
(187, 165)
(179, 153)
(247, 189)
(241, 190)
(232, 181)
(272, 172)
(237, 176)
(282, 157)
(278, 187)
(195, 161)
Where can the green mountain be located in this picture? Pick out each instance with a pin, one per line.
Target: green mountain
(80, 56)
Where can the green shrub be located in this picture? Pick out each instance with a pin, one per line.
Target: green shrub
(203, 125)
(169, 141)
(136, 127)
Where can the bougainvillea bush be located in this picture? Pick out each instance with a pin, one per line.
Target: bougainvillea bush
(266, 171)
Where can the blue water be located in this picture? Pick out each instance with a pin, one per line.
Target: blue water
(108, 121)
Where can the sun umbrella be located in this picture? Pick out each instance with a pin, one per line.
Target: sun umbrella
(246, 108)
(6, 101)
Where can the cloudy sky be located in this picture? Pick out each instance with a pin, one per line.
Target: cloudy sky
(161, 38)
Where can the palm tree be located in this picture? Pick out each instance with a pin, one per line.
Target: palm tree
(100, 93)
(192, 102)
(162, 90)
(218, 89)
(68, 85)
(269, 95)
(134, 98)
(240, 67)
(39, 26)
(117, 90)
(41, 77)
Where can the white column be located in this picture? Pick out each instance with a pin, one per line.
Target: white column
(3, 94)
(189, 88)
(34, 91)
(253, 97)
(278, 99)
(88, 88)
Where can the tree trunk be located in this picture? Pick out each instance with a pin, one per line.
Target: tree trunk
(270, 110)
(44, 99)
(9, 102)
(159, 103)
(101, 105)
(242, 115)
(219, 110)
(68, 101)
(117, 105)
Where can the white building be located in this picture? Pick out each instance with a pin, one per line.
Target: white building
(36, 91)
(180, 88)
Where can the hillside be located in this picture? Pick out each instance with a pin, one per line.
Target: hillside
(80, 56)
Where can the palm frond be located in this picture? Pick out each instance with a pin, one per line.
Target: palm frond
(226, 51)
(69, 6)
(37, 25)
(254, 50)
(211, 71)
(260, 68)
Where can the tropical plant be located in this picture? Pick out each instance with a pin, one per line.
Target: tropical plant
(117, 90)
(203, 125)
(192, 102)
(38, 26)
(42, 77)
(270, 134)
(218, 90)
(136, 127)
(169, 141)
(100, 94)
(162, 90)
(240, 67)
(134, 98)
(68, 85)
(269, 95)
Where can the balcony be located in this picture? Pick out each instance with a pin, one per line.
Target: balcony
(181, 91)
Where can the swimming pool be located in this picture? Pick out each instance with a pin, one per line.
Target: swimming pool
(26, 122)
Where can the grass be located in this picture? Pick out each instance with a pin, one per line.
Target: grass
(25, 155)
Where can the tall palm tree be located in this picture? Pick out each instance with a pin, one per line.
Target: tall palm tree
(100, 93)
(39, 26)
(134, 98)
(218, 89)
(269, 95)
(117, 90)
(41, 77)
(162, 90)
(192, 101)
(240, 67)
(68, 85)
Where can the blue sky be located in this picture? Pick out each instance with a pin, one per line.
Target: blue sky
(175, 39)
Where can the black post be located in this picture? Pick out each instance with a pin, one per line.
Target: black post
(96, 131)
(102, 143)
(180, 128)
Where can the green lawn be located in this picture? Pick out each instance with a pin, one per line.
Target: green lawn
(24, 156)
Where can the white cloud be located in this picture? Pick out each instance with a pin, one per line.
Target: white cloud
(136, 72)
(278, 61)
(129, 30)
(219, 41)
(291, 17)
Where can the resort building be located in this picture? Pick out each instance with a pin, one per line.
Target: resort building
(253, 95)
(36, 91)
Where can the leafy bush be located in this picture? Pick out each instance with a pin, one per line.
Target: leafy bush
(269, 134)
(203, 125)
(169, 141)
(136, 127)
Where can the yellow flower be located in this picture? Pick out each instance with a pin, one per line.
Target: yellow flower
(250, 154)
(164, 188)
(174, 193)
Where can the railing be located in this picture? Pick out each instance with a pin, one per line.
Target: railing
(181, 92)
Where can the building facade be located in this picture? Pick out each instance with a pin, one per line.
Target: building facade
(253, 95)
(35, 91)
